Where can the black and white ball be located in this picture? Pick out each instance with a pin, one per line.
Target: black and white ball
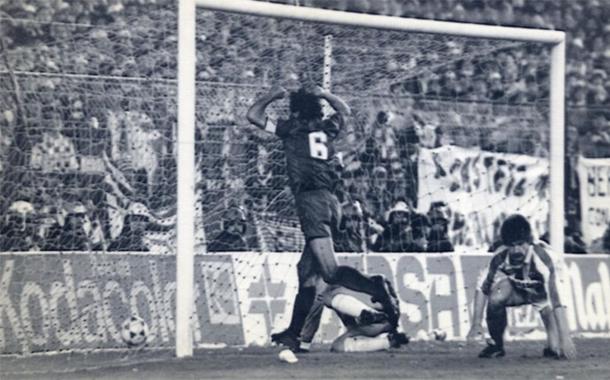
(439, 334)
(134, 331)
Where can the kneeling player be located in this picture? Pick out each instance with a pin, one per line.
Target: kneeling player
(522, 272)
(368, 327)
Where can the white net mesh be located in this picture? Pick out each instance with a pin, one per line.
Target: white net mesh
(415, 98)
(87, 168)
(435, 125)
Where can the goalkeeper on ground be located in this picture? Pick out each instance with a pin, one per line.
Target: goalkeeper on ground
(368, 326)
(522, 272)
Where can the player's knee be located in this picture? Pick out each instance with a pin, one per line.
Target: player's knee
(496, 300)
(500, 293)
(330, 275)
(377, 329)
(545, 310)
(328, 295)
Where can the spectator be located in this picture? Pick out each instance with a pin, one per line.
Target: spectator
(506, 14)
(398, 234)
(113, 47)
(602, 244)
(490, 14)
(459, 14)
(573, 242)
(479, 91)
(433, 87)
(451, 87)
(360, 6)
(381, 146)
(430, 136)
(17, 231)
(594, 141)
(496, 87)
(598, 49)
(231, 238)
(379, 198)
(350, 237)
(438, 238)
(597, 92)
(72, 236)
(133, 232)
(55, 152)
(579, 94)
(420, 227)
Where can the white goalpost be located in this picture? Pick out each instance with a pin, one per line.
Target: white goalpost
(186, 115)
(185, 163)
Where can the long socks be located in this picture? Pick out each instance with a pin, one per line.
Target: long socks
(496, 323)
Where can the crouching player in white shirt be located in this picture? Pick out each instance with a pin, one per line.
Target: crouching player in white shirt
(522, 272)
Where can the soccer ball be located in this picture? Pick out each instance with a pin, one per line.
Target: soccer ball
(134, 331)
(439, 334)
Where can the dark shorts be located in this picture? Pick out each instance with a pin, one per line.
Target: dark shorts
(319, 213)
(308, 268)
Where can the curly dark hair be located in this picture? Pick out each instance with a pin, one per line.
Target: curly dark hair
(514, 229)
(306, 105)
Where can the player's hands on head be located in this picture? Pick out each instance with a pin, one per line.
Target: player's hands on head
(314, 89)
(278, 92)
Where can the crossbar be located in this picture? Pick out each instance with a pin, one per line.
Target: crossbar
(260, 8)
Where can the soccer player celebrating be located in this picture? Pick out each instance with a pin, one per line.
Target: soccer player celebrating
(522, 272)
(311, 167)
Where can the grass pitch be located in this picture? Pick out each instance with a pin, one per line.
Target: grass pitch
(418, 360)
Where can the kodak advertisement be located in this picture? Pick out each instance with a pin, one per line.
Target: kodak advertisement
(78, 301)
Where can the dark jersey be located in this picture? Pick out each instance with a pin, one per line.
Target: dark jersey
(310, 153)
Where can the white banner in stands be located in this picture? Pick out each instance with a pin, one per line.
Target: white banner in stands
(594, 176)
(482, 188)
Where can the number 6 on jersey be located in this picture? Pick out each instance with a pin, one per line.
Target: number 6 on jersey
(317, 145)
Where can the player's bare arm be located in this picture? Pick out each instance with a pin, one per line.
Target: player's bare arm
(476, 328)
(256, 114)
(568, 350)
(480, 300)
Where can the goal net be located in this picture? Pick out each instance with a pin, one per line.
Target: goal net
(436, 118)
(87, 179)
(454, 129)
(457, 128)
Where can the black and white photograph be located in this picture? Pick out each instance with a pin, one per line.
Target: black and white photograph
(304, 189)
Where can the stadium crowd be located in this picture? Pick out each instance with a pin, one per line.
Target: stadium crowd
(118, 39)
